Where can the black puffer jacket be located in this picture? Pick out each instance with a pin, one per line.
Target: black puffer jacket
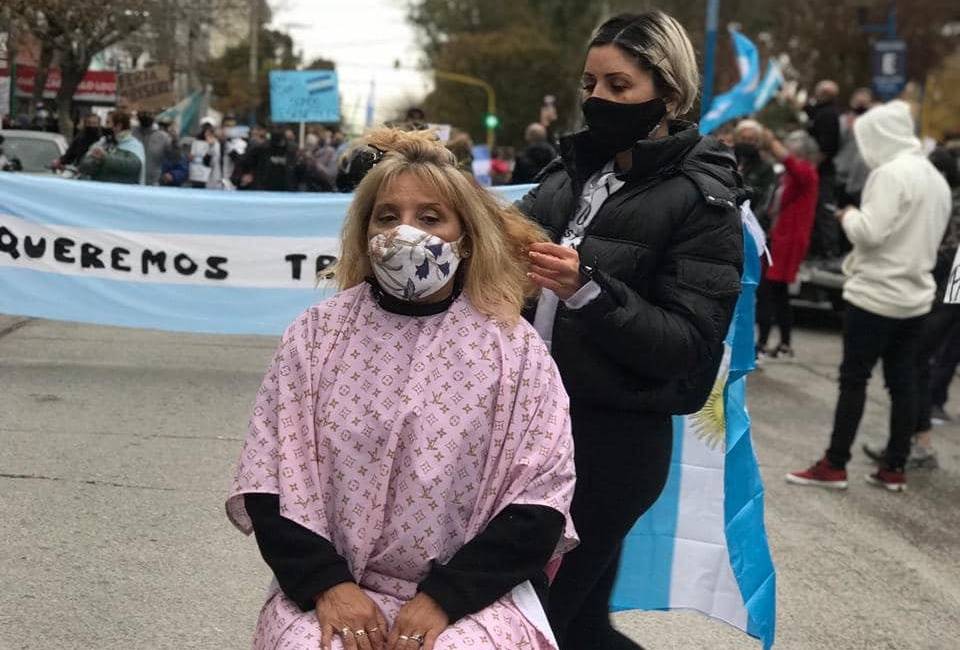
(668, 252)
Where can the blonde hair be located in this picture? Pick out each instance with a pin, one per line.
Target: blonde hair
(496, 234)
(662, 47)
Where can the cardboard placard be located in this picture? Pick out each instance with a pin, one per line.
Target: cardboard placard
(150, 89)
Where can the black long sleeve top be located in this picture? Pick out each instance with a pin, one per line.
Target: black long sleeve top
(514, 547)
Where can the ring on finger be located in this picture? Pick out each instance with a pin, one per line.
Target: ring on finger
(360, 633)
(417, 637)
(344, 631)
(404, 638)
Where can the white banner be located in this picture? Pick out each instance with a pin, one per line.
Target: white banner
(168, 258)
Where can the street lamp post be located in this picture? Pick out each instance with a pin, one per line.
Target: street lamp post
(491, 124)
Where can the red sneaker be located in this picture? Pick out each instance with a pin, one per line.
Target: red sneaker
(890, 479)
(821, 474)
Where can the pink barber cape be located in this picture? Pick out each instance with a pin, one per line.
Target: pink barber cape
(399, 438)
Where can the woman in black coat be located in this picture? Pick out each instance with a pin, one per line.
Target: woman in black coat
(640, 284)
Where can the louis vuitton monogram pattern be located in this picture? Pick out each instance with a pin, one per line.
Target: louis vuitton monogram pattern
(282, 626)
(399, 438)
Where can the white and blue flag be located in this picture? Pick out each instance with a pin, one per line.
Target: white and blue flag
(703, 545)
(748, 95)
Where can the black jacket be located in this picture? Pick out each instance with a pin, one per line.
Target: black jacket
(760, 183)
(533, 159)
(825, 128)
(272, 166)
(667, 250)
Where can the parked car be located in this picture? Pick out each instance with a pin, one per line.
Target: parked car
(819, 285)
(34, 149)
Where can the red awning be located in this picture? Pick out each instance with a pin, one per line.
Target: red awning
(97, 86)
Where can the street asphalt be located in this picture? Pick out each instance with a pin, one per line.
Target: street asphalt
(118, 446)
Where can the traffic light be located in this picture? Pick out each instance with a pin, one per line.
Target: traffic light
(492, 121)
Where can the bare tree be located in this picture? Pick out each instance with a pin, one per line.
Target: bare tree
(76, 32)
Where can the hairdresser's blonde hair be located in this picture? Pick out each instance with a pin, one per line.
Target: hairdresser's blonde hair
(661, 46)
(497, 235)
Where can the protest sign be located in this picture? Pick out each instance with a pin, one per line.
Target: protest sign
(304, 96)
(146, 90)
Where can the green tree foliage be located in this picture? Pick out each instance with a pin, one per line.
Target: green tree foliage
(230, 74)
(525, 49)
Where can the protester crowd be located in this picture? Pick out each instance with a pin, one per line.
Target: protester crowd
(230, 157)
(855, 186)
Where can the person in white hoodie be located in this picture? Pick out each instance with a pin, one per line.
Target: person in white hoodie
(889, 289)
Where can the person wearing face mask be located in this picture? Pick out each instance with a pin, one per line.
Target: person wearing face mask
(205, 169)
(639, 285)
(86, 138)
(823, 123)
(270, 166)
(117, 157)
(232, 147)
(316, 168)
(851, 169)
(158, 146)
(759, 176)
(408, 468)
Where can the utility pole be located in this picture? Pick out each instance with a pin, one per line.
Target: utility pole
(254, 40)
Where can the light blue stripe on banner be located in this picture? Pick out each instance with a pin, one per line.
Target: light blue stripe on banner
(175, 307)
(648, 547)
(112, 206)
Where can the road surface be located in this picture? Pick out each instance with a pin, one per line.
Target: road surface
(118, 447)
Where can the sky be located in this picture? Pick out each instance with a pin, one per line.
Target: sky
(364, 38)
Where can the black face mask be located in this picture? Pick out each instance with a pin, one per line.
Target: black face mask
(746, 151)
(91, 132)
(146, 122)
(109, 134)
(860, 110)
(617, 127)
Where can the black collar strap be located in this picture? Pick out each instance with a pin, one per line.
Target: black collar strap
(394, 305)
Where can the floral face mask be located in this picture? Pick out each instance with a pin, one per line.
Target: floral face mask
(411, 264)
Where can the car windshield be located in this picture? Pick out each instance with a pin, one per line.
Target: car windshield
(35, 154)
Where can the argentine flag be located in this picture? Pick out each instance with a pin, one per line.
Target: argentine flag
(750, 94)
(703, 545)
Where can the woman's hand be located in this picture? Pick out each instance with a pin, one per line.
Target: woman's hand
(345, 610)
(556, 268)
(418, 623)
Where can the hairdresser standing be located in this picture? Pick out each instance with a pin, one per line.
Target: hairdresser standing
(639, 286)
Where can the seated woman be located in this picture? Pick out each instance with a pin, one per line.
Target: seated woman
(408, 469)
